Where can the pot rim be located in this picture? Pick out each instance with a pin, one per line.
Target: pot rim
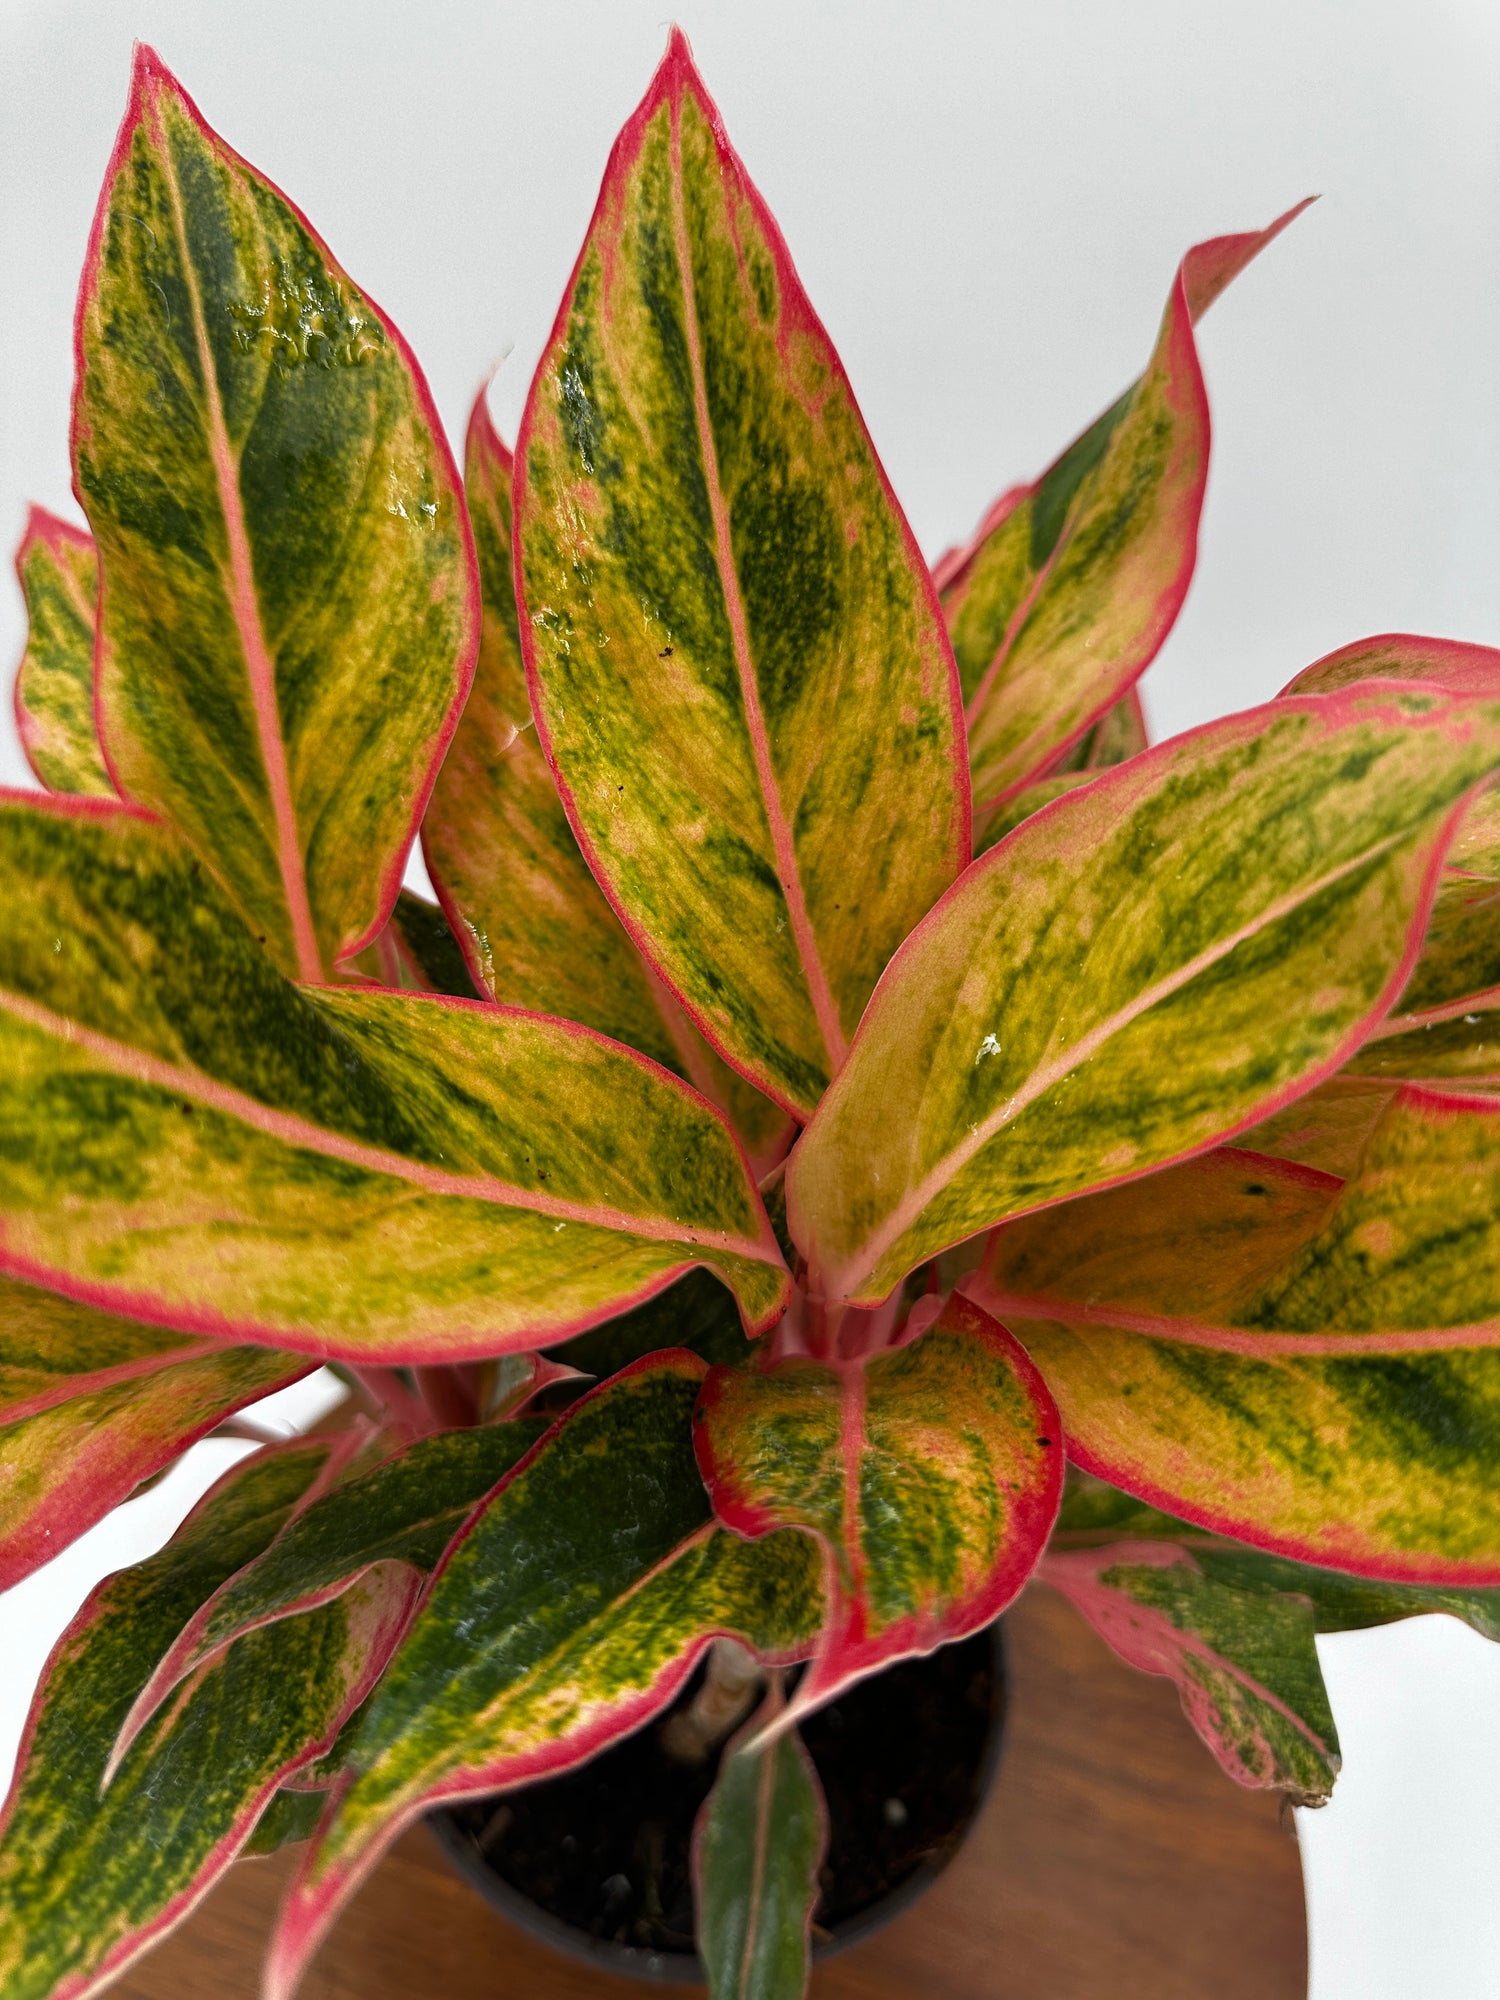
(686, 1968)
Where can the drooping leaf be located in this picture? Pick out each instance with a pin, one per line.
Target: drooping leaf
(1154, 963)
(1242, 1659)
(406, 1509)
(570, 1610)
(88, 1882)
(1070, 585)
(66, 1467)
(536, 927)
(417, 953)
(1256, 1256)
(737, 660)
(931, 1474)
(54, 694)
(53, 1349)
(190, 1139)
(290, 609)
(757, 1847)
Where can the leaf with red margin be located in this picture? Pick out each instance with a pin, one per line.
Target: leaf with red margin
(1456, 1048)
(571, 1609)
(1147, 966)
(931, 1473)
(54, 691)
(66, 1467)
(1243, 1660)
(289, 609)
(737, 660)
(417, 953)
(381, 1176)
(404, 1510)
(1069, 586)
(53, 1349)
(536, 928)
(1451, 664)
(88, 1883)
(1329, 1128)
(758, 1845)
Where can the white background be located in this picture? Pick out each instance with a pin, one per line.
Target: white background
(986, 204)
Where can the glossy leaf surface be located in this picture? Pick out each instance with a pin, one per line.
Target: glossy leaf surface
(757, 1848)
(191, 1139)
(289, 610)
(54, 694)
(1070, 585)
(930, 1473)
(571, 1610)
(405, 1510)
(87, 1883)
(66, 1467)
(1147, 965)
(1242, 1658)
(536, 926)
(738, 663)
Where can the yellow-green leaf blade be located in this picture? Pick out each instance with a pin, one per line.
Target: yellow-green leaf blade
(54, 693)
(738, 663)
(930, 1473)
(1140, 969)
(53, 1348)
(289, 606)
(571, 1610)
(193, 1140)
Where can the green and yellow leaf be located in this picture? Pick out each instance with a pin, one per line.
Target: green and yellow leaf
(417, 953)
(571, 1609)
(737, 659)
(290, 609)
(1451, 664)
(537, 928)
(54, 693)
(67, 1466)
(87, 1882)
(757, 1848)
(1070, 585)
(190, 1139)
(1158, 961)
(931, 1474)
(53, 1349)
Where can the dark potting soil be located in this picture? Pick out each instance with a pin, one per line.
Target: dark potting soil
(902, 1759)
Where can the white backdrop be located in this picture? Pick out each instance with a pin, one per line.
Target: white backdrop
(986, 203)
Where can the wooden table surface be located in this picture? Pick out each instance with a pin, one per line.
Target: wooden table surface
(1113, 1862)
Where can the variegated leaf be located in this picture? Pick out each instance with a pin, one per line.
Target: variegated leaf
(536, 927)
(1329, 1128)
(757, 1847)
(737, 660)
(88, 1883)
(931, 1473)
(1242, 1658)
(386, 1176)
(53, 1349)
(1459, 970)
(405, 1509)
(417, 953)
(1008, 815)
(1451, 664)
(571, 1609)
(67, 1466)
(290, 609)
(1150, 964)
(54, 693)
(1459, 1051)
(1256, 1256)
(1118, 735)
(1069, 586)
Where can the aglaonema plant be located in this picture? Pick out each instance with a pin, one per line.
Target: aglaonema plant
(1160, 1138)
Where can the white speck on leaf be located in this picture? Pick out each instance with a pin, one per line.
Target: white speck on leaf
(988, 1047)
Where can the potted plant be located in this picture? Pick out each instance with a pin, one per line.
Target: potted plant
(824, 958)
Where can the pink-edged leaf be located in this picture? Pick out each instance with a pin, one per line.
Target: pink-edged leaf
(289, 609)
(87, 1883)
(931, 1473)
(54, 691)
(737, 660)
(66, 1467)
(536, 929)
(1452, 664)
(1141, 969)
(1243, 1660)
(379, 1176)
(404, 1511)
(758, 1845)
(1069, 586)
(54, 1349)
(570, 1609)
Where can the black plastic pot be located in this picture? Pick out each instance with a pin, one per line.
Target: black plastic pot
(906, 1760)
